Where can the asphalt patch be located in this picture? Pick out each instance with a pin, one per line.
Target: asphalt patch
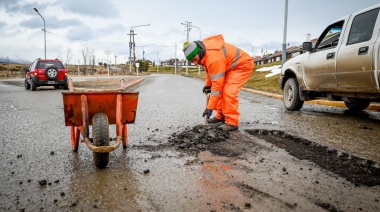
(354, 169)
(198, 138)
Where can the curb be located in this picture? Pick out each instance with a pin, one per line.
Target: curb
(134, 83)
(97, 90)
(373, 107)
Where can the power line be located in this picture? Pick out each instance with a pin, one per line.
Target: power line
(83, 39)
(96, 41)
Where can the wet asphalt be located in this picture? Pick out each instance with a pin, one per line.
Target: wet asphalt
(39, 171)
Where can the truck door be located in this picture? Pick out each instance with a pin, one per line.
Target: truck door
(319, 66)
(355, 70)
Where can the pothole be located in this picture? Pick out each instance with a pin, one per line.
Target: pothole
(354, 169)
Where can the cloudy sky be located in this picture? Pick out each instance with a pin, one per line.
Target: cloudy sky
(103, 25)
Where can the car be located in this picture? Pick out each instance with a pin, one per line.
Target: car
(46, 72)
(342, 65)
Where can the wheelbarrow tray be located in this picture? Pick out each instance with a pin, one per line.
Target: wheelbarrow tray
(100, 101)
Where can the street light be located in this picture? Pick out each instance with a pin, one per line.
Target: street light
(144, 51)
(35, 9)
(131, 32)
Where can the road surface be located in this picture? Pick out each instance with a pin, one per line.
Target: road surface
(247, 172)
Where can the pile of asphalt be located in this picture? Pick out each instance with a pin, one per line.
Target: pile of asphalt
(198, 138)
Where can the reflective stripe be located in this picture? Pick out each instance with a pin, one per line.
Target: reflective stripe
(216, 76)
(215, 93)
(236, 58)
(224, 51)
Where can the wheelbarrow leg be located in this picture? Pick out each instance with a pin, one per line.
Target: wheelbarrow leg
(125, 136)
(74, 138)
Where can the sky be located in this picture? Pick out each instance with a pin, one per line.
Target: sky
(102, 26)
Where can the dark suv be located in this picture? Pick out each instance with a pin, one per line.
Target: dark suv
(46, 72)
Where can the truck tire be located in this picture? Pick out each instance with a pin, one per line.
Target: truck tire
(291, 95)
(357, 104)
(100, 133)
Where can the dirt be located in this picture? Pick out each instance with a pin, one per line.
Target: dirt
(233, 144)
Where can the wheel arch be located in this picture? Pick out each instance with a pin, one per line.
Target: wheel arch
(287, 74)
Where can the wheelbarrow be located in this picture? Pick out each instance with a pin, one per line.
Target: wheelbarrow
(99, 109)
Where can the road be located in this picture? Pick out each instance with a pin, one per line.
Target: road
(247, 172)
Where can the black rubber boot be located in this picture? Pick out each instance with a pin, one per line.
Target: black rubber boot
(227, 127)
(215, 120)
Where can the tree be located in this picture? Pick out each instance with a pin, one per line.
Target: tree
(144, 65)
(84, 52)
(68, 56)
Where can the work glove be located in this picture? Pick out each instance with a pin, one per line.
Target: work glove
(206, 89)
(207, 113)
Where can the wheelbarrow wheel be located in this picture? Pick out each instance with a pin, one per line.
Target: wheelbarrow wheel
(100, 134)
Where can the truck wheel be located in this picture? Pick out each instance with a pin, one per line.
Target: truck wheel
(27, 85)
(291, 95)
(100, 133)
(33, 85)
(357, 104)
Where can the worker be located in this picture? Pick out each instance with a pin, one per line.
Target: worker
(227, 69)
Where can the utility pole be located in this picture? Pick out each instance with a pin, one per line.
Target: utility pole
(157, 62)
(175, 59)
(131, 33)
(187, 23)
(200, 38)
(115, 64)
(285, 28)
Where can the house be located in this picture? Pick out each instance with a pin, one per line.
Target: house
(291, 52)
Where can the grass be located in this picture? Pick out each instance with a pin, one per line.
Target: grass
(257, 80)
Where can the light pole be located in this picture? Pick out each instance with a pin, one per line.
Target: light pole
(285, 29)
(200, 38)
(144, 51)
(35, 9)
(108, 52)
(131, 32)
(187, 39)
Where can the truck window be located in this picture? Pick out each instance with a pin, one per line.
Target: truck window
(330, 37)
(362, 27)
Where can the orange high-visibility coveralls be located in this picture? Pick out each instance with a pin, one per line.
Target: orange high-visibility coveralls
(227, 68)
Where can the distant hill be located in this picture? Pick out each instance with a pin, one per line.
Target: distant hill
(14, 61)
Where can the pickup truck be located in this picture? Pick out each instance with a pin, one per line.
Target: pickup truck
(342, 65)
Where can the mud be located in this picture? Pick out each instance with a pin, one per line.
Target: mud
(233, 144)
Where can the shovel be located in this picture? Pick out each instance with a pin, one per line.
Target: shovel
(207, 97)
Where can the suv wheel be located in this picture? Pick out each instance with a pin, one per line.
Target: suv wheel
(33, 85)
(357, 104)
(66, 86)
(291, 95)
(51, 73)
(27, 85)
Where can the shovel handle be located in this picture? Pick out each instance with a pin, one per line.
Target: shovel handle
(206, 118)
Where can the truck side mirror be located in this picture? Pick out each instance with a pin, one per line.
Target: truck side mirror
(306, 46)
